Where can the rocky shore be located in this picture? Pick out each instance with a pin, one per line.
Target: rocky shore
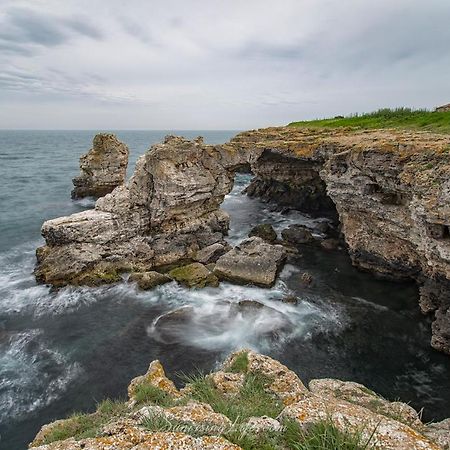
(251, 402)
(386, 190)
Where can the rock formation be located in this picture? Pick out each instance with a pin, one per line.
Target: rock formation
(165, 214)
(158, 415)
(390, 188)
(103, 167)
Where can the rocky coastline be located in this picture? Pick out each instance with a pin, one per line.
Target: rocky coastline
(387, 192)
(251, 402)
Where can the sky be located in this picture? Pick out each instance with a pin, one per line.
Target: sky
(210, 64)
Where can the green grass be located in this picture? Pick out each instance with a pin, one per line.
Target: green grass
(321, 436)
(81, 426)
(401, 118)
(325, 436)
(148, 393)
(240, 363)
(252, 400)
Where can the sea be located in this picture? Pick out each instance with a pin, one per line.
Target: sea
(65, 350)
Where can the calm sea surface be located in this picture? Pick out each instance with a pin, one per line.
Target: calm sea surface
(67, 350)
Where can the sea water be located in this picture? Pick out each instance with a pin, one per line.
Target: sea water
(63, 351)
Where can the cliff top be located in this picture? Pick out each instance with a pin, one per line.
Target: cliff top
(400, 118)
(253, 402)
(305, 141)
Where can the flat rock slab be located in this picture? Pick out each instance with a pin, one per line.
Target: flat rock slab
(253, 261)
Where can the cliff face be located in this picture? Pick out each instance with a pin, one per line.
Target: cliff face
(391, 190)
(102, 168)
(166, 212)
(253, 401)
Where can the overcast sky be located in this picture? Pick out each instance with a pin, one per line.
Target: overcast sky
(210, 64)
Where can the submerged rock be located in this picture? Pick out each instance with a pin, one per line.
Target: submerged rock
(297, 234)
(148, 280)
(253, 261)
(265, 231)
(103, 167)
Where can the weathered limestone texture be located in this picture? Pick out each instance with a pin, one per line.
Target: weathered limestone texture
(390, 188)
(103, 167)
(165, 214)
(146, 423)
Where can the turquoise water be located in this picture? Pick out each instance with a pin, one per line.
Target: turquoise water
(66, 350)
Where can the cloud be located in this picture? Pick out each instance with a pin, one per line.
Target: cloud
(22, 29)
(210, 64)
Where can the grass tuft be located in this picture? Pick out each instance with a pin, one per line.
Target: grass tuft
(240, 363)
(81, 426)
(148, 393)
(252, 400)
(326, 436)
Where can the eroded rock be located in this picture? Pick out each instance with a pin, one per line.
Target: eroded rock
(103, 167)
(154, 376)
(253, 261)
(375, 429)
(357, 393)
(284, 383)
(166, 213)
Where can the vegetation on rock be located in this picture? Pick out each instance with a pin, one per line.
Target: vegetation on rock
(402, 118)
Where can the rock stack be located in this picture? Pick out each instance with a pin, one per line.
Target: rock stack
(103, 167)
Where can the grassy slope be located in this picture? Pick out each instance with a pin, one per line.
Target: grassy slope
(401, 118)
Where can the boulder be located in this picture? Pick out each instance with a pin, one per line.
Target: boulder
(265, 231)
(253, 261)
(377, 430)
(285, 384)
(360, 395)
(194, 275)
(297, 234)
(103, 167)
(148, 280)
(211, 254)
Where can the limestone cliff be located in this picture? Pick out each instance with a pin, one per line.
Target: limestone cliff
(166, 212)
(103, 167)
(252, 402)
(391, 190)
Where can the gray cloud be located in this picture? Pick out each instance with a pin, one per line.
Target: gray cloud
(206, 64)
(23, 29)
